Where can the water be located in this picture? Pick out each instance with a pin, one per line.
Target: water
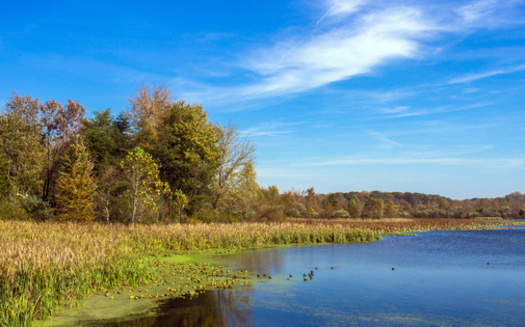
(440, 278)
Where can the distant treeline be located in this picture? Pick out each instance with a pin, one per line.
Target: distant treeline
(378, 204)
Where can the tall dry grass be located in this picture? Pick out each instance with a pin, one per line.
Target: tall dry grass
(46, 265)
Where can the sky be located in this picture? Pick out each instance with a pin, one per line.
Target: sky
(339, 95)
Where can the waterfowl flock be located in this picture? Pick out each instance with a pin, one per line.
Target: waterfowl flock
(306, 276)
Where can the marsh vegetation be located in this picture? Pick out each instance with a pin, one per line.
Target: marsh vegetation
(47, 265)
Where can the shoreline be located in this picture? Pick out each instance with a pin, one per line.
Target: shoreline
(157, 251)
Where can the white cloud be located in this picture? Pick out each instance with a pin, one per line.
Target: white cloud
(478, 9)
(439, 110)
(341, 8)
(270, 129)
(361, 37)
(478, 76)
(338, 53)
(456, 161)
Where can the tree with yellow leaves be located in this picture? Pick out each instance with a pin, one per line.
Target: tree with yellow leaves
(75, 186)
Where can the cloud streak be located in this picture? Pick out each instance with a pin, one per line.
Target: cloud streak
(497, 163)
(474, 77)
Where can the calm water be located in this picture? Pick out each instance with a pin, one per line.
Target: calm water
(440, 278)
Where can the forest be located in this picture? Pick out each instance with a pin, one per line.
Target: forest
(162, 161)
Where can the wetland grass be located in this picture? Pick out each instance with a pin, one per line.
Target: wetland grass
(44, 266)
(395, 226)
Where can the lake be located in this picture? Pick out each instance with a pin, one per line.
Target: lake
(436, 278)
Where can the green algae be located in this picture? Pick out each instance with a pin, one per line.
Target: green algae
(179, 276)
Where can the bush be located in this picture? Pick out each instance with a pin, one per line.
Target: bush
(10, 210)
(36, 207)
(341, 214)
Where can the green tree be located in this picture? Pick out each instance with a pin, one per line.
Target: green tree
(142, 173)
(75, 185)
(179, 203)
(354, 207)
(107, 139)
(188, 152)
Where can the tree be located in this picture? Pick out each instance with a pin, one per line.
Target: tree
(4, 181)
(238, 200)
(148, 108)
(75, 186)
(108, 139)
(188, 153)
(142, 173)
(354, 207)
(267, 206)
(59, 124)
(20, 143)
(179, 203)
(236, 158)
(390, 210)
(373, 208)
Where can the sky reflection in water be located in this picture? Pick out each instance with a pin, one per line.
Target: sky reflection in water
(440, 278)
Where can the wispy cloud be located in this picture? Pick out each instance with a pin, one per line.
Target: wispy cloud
(456, 161)
(340, 8)
(354, 38)
(477, 9)
(339, 53)
(384, 139)
(482, 75)
(438, 110)
(271, 129)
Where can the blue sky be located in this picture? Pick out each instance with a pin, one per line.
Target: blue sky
(341, 95)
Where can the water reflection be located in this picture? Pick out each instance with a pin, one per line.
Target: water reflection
(452, 278)
(213, 308)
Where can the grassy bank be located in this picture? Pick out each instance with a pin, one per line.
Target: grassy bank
(46, 265)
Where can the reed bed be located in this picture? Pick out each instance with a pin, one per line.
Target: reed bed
(46, 265)
(403, 225)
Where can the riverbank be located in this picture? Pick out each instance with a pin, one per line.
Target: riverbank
(46, 266)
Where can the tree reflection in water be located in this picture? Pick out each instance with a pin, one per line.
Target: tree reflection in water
(219, 308)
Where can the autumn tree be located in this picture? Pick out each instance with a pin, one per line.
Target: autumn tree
(142, 173)
(237, 156)
(267, 207)
(59, 123)
(148, 108)
(75, 188)
(390, 210)
(20, 145)
(373, 208)
(4, 181)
